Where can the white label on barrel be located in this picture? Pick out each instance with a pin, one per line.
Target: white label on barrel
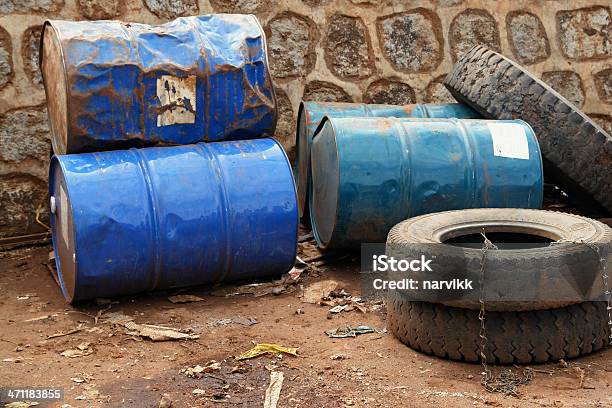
(177, 100)
(509, 140)
(63, 215)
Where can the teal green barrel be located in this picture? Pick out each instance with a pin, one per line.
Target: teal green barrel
(311, 113)
(368, 174)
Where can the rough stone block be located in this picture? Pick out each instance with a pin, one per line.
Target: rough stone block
(473, 27)
(527, 37)
(30, 6)
(605, 121)
(389, 91)
(238, 6)
(568, 84)
(325, 92)
(436, 92)
(101, 9)
(24, 134)
(603, 84)
(291, 41)
(285, 125)
(170, 9)
(585, 33)
(347, 47)
(29, 52)
(412, 41)
(6, 58)
(20, 195)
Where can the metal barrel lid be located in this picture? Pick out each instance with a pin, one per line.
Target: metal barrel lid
(325, 183)
(53, 70)
(62, 224)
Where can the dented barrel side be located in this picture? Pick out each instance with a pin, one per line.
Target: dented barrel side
(310, 115)
(138, 220)
(111, 84)
(368, 174)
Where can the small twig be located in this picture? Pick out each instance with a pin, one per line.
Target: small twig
(223, 380)
(53, 336)
(38, 212)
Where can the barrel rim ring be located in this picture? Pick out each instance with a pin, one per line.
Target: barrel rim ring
(313, 224)
(53, 166)
(63, 138)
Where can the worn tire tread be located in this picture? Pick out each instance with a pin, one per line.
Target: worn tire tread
(524, 337)
(499, 88)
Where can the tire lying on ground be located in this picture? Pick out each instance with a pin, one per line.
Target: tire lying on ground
(556, 323)
(499, 88)
(525, 273)
(513, 337)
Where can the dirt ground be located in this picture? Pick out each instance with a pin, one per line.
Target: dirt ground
(123, 370)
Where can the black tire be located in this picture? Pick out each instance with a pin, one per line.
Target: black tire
(540, 277)
(574, 144)
(513, 337)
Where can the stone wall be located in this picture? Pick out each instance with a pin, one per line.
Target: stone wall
(334, 50)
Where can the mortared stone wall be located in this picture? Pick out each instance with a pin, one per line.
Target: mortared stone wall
(376, 51)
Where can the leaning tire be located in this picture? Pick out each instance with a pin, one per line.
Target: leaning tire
(499, 88)
(512, 337)
(541, 277)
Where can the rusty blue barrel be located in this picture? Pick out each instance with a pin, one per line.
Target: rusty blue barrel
(368, 174)
(311, 113)
(112, 85)
(137, 220)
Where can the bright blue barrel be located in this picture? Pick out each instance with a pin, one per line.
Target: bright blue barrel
(115, 85)
(368, 174)
(311, 113)
(137, 220)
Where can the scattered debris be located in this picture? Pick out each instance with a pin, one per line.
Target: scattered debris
(340, 357)
(274, 389)
(348, 331)
(185, 299)
(264, 348)
(295, 273)
(286, 284)
(61, 334)
(198, 371)
(153, 332)
(582, 376)
(318, 290)
(563, 363)
(338, 309)
(238, 369)
(26, 296)
(21, 404)
(244, 321)
(165, 401)
(89, 393)
(305, 237)
(341, 301)
(82, 350)
(40, 318)
(158, 333)
(198, 391)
